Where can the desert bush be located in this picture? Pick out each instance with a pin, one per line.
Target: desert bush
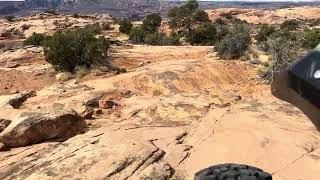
(137, 35)
(172, 40)
(264, 32)
(9, 18)
(283, 53)
(106, 26)
(235, 43)
(220, 21)
(227, 15)
(125, 26)
(315, 22)
(290, 25)
(184, 18)
(35, 39)
(75, 15)
(79, 47)
(285, 34)
(222, 31)
(205, 34)
(94, 28)
(311, 38)
(154, 38)
(151, 23)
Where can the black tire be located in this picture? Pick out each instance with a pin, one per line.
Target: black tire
(232, 172)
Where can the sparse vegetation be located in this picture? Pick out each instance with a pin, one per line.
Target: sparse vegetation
(184, 19)
(205, 34)
(125, 26)
(154, 38)
(94, 28)
(283, 53)
(9, 18)
(264, 32)
(75, 15)
(290, 25)
(235, 44)
(311, 38)
(137, 35)
(151, 23)
(35, 39)
(69, 49)
(106, 26)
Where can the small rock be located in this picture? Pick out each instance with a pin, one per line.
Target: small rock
(21, 98)
(127, 94)
(141, 64)
(88, 114)
(105, 104)
(98, 112)
(65, 76)
(237, 98)
(93, 102)
(3, 124)
(12, 65)
(2, 146)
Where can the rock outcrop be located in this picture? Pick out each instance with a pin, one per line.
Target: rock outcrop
(31, 128)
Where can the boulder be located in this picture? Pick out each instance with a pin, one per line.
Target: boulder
(31, 128)
(17, 101)
(3, 124)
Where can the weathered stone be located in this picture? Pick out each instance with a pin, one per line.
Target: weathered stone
(21, 98)
(88, 114)
(10, 64)
(3, 124)
(105, 104)
(32, 128)
(99, 112)
(93, 102)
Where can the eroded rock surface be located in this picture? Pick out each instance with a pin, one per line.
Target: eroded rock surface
(174, 117)
(31, 128)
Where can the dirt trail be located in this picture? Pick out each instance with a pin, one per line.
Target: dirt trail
(176, 115)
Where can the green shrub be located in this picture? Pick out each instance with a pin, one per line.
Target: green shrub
(151, 23)
(290, 25)
(9, 18)
(69, 49)
(205, 34)
(125, 26)
(220, 21)
(94, 28)
(264, 32)
(75, 15)
(227, 15)
(172, 40)
(283, 53)
(106, 26)
(137, 35)
(35, 39)
(184, 18)
(311, 38)
(315, 22)
(235, 44)
(154, 38)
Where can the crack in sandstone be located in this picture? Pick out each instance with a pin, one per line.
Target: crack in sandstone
(293, 162)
